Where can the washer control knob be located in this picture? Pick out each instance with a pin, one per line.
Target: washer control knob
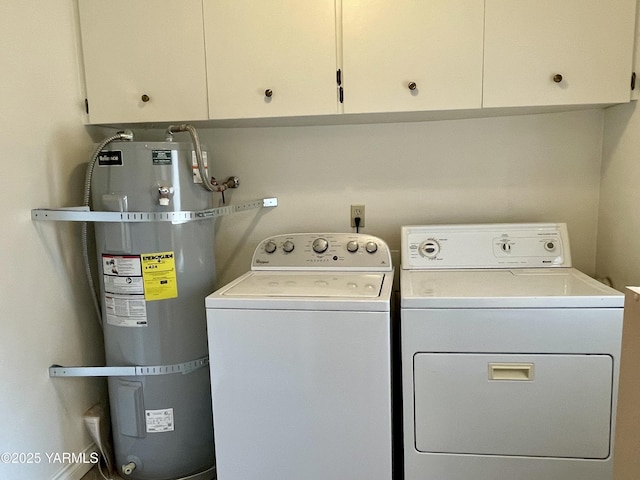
(505, 246)
(288, 246)
(549, 245)
(352, 246)
(270, 246)
(320, 245)
(371, 247)
(429, 248)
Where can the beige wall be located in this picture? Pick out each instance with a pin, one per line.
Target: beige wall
(618, 255)
(619, 222)
(523, 168)
(505, 169)
(46, 316)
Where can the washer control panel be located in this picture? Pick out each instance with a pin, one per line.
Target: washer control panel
(512, 245)
(328, 251)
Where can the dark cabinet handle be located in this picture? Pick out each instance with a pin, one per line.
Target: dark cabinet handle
(557, 78)
(268, 93)
(412, 85)
(145, 98)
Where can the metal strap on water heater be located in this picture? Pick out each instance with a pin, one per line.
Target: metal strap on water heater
(131, 371)
(83, 214)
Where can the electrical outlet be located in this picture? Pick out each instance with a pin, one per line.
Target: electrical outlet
(357, 211)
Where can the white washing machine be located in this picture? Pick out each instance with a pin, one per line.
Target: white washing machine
(510, 357)
(300, 361)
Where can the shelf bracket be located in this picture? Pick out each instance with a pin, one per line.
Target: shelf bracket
(128, 371)
(83, 214)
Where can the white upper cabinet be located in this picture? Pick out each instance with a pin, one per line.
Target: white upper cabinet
(189, 60)
(411, 55)
(271, 58)
(144, 60)
(558, 52)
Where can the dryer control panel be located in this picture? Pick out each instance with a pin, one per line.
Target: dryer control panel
(512, 245)
(328, 251)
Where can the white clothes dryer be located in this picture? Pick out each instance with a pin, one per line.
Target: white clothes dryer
(510, 357)
(300, 359)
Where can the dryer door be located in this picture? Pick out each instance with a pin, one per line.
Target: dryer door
(525, 405)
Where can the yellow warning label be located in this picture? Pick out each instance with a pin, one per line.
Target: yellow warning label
(159, 276)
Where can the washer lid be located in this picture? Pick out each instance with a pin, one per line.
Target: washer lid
(309, 290)
(308, 284)
(518, 288)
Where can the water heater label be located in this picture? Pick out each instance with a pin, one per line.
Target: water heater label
(159, 274)
(159, 420)
(124, 301)
(161, 157)
(126, 310)
(197, 178)
(121, 265)
(110, 158)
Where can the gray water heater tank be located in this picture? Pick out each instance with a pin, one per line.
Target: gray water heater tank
(154, 277)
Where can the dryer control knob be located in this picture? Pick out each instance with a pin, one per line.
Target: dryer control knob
(288, 246)
(320, 245)
(352, 246)
(371, 247)
(270, 246)
(549, 245)
(429, 248)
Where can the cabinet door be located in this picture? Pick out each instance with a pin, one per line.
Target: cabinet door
(409, 55)
(270, 58)
(558, 52)
(144, 60)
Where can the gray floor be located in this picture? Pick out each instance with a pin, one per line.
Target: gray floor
(94, 474)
